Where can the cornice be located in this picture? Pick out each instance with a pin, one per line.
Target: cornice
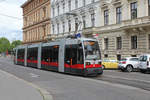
(27, 2)
(40, 22)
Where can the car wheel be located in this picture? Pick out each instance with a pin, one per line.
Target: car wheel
(129, 68)
(103, 67)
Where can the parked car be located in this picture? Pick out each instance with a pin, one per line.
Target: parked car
(144, 63)
(128, 64)
(109, 63)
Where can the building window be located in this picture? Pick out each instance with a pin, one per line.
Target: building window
(57, 28)
(133, 42)
(58, 9)
(119, 42)
(69, 5)
(93, 19)
(53, 26)
(134, 56)
(106, 43)
(69, 25)
(84, 2)
(106, 56)
(76, 4)
(44, 31)
(76, 24)
(63, 27)
(134, 10)
(118, 57)
(149, 7)
(63, 7)
(84, 21)
(92, 1)
(44, 12)
(149, 40)
(106, 17)
(118, 15)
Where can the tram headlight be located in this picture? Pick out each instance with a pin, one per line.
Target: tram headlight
(88, 63)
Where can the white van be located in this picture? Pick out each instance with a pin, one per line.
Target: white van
(144, 63)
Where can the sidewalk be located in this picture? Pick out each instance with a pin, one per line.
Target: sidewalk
(12, 88)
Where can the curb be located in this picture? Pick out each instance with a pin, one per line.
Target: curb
(45, 94)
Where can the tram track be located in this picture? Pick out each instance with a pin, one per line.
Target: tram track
(145, 85)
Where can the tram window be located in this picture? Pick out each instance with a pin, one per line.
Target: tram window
(50, 53)
(75, 53)
(21, 53)
(67, 54)
(32, 53)
(80, 56)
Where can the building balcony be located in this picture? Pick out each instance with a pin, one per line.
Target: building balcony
(90, 31)
(139, 23)
(58, 36)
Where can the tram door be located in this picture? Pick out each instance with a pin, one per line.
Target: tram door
(71, 58)
(20, 56)
(67, 59)
(32, 57)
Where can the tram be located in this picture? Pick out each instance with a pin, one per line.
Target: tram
(79, 56)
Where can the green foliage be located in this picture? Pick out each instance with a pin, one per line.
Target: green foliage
(15, 44)
(4, 44)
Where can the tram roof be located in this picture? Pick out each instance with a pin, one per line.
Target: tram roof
(57, 42)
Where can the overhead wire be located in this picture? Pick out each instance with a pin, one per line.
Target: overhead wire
(13, 17)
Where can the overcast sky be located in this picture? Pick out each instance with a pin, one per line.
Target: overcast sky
(11, 27)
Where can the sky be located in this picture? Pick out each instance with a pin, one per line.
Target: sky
(11, 20)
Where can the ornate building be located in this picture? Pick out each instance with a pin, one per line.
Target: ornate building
(123, 25)
(36, 20)
(72, 16)
(124, 28)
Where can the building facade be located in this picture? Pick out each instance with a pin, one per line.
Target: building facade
(124, 28)
(73, 16)
(36, 20)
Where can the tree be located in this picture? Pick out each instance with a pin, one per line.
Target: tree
(4, 44)
(15, 44)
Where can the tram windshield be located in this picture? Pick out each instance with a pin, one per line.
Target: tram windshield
(91, 50)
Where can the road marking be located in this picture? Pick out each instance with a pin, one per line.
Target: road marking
(34, 75)
(130, 79)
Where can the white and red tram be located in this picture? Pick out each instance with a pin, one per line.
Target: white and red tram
(75, 56)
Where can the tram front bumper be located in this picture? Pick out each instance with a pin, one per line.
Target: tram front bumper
(89, 71)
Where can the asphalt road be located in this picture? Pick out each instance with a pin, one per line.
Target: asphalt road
(113, 85)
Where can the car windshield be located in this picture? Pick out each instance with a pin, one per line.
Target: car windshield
(91, 50)
(134, 59)
(143, 58)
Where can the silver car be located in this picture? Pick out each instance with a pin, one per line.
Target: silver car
(144, 64)
(128, 64)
